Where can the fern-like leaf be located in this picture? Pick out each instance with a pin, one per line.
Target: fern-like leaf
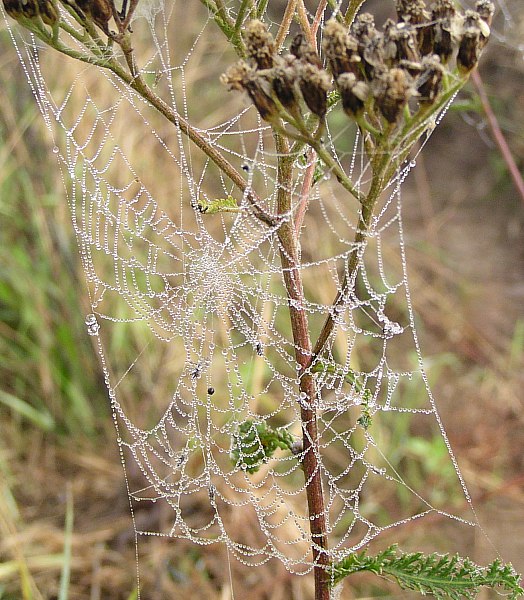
(442, 576)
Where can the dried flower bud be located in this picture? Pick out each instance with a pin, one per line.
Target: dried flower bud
(259, 90)
(341, 49)
(100, 11)
(242, 77)
(486, 10)
(429, 82)
(304, 51)
(373, 55)
(391, 90)
(236, 76)
(415, 13)
(314, 84)
(447, 28)
(21, 8)
(443, 9)
(399, 43)
(260, 44)
(472, 42)
(405, 8)
(48, 11)
(353, 93)
(363, 27)
(283, 79)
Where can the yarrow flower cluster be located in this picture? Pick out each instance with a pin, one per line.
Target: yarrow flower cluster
(376, 73)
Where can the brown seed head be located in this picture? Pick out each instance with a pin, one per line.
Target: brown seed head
(373, 55)
(21, 8)
(415, 14)
(341, 49)
(48, 11)
(100, 11)
(283, 78)
(392, 90)
(353, 93)
(304, 51)
(446, 29)
(486, 10)
(442, 9)
(259, 90)
(399, 43)
(260, 44)
(314, 84)
(364, 27)
(237, 76)
(472, 41)
(244, 78)
(429, 83)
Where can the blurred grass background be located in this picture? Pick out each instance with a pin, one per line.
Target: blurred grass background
(58, 456)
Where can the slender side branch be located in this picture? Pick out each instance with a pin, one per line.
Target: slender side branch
(285, 24)
(364, 222)
(137, 83)
(498, 135)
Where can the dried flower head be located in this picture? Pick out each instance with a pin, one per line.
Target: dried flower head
(283, 78)
(447, 29)
(363, 27)
(48, 11)
(472, 42)
(314, 84)
(304, 51)
(405, 8)
(399, 43)
(442, 9)
(373, 55)
(415, 13)
(429, 83)
(21, 8)
(242, 77)
(100, 11)
(486, 10)
(260, 44)
(341, 49)
(392, 89)
(353, 93)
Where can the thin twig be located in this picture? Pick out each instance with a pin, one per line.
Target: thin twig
(304, 23)
(500, 140)
(352, 10)
(306, 190)
(285, 24)
(318, 17)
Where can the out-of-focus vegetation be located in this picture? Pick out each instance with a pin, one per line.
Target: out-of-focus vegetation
(57, 450)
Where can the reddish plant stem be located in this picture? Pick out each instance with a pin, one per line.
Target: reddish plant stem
(306, 190)
(289, 254)
(318, 16)
(498, 135)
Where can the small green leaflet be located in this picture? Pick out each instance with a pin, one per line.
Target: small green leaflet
(218, 205)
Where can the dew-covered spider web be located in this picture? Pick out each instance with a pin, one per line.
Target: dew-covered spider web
(199, 298)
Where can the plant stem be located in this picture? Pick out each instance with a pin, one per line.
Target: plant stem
(299, 324)
(364, 222)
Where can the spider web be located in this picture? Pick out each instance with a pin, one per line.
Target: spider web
(207, 289)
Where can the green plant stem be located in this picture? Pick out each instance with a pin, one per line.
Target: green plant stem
(300, 327)
(364, 222)
(353, 8)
